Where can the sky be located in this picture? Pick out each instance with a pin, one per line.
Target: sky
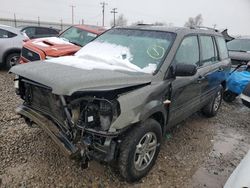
(231, 14)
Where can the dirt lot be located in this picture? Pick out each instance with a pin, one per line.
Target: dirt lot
(199, 152)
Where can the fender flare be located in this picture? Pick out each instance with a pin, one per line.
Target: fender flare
(152, 108)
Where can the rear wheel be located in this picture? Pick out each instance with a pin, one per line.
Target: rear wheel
(212, 108)
(12, 59)
(229, 96)
(139, 150)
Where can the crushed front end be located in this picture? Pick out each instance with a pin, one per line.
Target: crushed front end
(79, 124)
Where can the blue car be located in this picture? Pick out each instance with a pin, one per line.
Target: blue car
(239, 52)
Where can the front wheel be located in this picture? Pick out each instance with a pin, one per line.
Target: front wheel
(139, 150)
(212, 107)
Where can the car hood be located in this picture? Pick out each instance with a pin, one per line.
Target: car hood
(240, 56)
(65, 79)
(54, 46)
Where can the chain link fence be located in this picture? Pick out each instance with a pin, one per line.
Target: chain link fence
(19, 23)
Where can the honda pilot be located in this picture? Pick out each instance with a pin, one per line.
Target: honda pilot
(116, 98)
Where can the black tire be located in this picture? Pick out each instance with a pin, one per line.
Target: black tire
(211, 109)
(12, 59)
(129, 146)
(229, 96)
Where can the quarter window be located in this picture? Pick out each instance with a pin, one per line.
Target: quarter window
(6, 34)
(207, 50)
(188, 52)
(3, 33)
(222, 46)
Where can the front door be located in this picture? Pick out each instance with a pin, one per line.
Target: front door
(185, 96)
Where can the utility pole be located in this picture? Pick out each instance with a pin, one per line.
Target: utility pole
(72, 10)
(103, 11)
(61, 24)
(114, 12)
(38, 21)
(15, 19)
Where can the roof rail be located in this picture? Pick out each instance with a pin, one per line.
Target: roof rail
(143, 24)
(204, 27)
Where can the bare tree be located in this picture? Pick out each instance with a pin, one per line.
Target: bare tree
(120, 21)
(196, 21)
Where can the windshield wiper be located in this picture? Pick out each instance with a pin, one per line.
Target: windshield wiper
(75, 43)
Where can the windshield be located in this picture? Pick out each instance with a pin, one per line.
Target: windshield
(138, 49)
(239, 45)
(77, 36)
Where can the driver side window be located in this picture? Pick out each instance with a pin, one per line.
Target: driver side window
(188, 52)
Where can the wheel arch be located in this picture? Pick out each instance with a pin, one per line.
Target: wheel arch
(224, 84)
(8, 52)
(158, 114)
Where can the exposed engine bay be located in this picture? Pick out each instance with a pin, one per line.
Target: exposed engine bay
(82, 120)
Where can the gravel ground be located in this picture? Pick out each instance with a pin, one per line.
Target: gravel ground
(199, 152)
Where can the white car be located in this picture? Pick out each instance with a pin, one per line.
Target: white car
(11, 42)
(245, 96)
(240, 177)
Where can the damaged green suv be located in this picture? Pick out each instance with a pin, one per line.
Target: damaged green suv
(115, 99)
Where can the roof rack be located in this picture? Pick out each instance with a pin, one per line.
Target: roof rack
(204, 27)
(143, 24)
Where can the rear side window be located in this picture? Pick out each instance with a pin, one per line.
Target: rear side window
(42, 31)
(222, 46)
(188, 52)
(52, 31)
(6, 34)
(207, 50)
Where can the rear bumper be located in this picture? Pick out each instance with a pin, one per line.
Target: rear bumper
(50, 128)
(245, 98)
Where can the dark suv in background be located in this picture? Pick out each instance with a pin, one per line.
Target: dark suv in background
(115, 99)
(39, 32)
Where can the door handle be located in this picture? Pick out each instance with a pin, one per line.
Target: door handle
(220, 69)
(201, 78)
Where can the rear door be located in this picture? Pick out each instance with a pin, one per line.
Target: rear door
(211, 68)
(185, 96)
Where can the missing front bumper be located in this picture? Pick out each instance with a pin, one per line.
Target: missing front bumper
(50, 128)
(104, 152)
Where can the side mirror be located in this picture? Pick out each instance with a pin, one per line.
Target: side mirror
(184, 70)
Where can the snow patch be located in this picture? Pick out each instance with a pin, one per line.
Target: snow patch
(40, 43)
(53, 40)
(101, 55)
(57, 40)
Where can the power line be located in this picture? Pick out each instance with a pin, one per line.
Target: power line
(103, 10)
(114, 12)
(72, 11)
